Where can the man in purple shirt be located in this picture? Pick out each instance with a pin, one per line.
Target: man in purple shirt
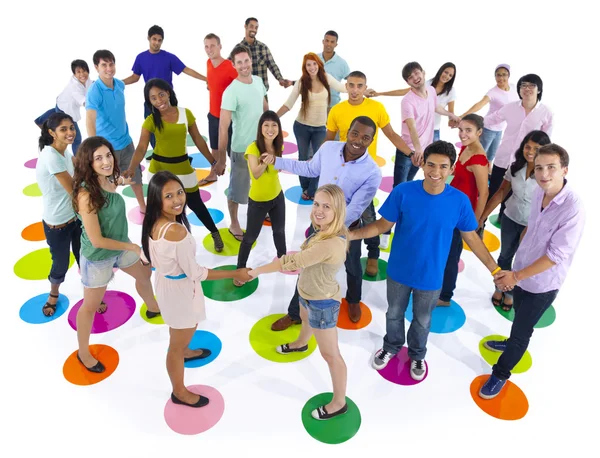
(544, 256)
(157, 63)
(349, 166)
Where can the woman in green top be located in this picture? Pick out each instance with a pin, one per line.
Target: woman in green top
(170, 125)
(266, 196)
(104, 239)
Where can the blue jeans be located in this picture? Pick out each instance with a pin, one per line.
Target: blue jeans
(423, 304)
(529, 308)
(404, 170)
(43, 118)
(451, 270)
(147, 112)
(323, 313)
(490, 140)
(372, 244)
(62, 241)
(309, 140)
(510, 234)
(354, 275)
(436, 135)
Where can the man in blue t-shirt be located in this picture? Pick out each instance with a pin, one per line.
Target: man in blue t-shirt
(425, 213)
(157, 63)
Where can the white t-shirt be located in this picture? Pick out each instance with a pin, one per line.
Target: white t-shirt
(72, 98)
(443, 99)
(58, 207)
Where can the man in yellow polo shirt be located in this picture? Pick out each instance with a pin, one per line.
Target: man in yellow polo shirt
(340, 117)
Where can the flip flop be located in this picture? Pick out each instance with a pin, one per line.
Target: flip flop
(238, 237)
(205, 182)
(498, 302)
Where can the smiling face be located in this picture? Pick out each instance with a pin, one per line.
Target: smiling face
(468, 133)
(159, 98)
(529, 150)
(329, 44)
(243, 64)
(356, 88)
(64, 133)
(359, 139)
(212, 48)
(322, 213)
(436, 168)
(81, 75)
(528, 91)
(106, 69)
(103, 161)
(502, 76)
(447, 75)
(549, 174)
(312, 68)
(155, 43)
(416, 80)
(173, 199)
(251, 29)
(269, 130)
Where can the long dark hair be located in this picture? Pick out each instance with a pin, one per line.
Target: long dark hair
(306, 81)
(51, 123)
(154, 207)
(165, 86)
(537, 136)
(269, 115)
(85, 177)
(436, 79)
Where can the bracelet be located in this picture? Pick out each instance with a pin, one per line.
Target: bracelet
(412, 153)
(515, 277)
(496, 270)
(213, 162)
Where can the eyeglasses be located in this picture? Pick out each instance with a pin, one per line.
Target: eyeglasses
(528, 86)
(501, 75)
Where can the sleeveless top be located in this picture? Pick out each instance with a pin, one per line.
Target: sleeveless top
(464, 180)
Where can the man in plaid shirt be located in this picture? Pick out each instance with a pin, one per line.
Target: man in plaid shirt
(262, 59)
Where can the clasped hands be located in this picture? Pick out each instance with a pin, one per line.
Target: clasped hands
(505, 280)
(267, 158)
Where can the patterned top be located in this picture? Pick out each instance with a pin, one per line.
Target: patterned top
(262, 60)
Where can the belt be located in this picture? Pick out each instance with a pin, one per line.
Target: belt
(171, 160)
(60, 226)
(176, 277)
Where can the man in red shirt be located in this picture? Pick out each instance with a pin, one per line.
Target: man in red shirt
(220, 73)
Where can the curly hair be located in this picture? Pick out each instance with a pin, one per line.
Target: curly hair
(85, 178)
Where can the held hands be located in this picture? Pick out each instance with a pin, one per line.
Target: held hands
(253, 273)
(267, 158)
(219, 168)
(454, 121)
(242, 276)
(417, 158)
(371, 93)
(126, 178)
(505, 280)
(285, 83)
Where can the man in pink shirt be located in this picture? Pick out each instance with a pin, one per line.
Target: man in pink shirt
(419, 107)
(521, 118)
(542, 261)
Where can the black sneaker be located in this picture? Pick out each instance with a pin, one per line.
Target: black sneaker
(286, 350)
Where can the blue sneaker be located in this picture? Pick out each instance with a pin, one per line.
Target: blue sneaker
(495, 345)
(492, 387)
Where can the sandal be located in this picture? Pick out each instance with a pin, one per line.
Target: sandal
(305, 196)
(506, 307)
(101, 305)
(498, 302)
(238, 237)
(50, 309)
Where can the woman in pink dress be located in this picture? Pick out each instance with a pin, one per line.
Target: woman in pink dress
(170, 247)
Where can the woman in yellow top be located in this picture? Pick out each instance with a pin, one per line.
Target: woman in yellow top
(266, 196)
(321, 257)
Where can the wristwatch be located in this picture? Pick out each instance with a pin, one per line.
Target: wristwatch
(412, 153)
(213, 163)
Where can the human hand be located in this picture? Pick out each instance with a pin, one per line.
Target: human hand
(253, 273)
(505, 280)
(137, 250)
(219, 168)
(267, 158)
(454, 119)
(417, 158)
(241, 275)
(124, 181)
(371, 93)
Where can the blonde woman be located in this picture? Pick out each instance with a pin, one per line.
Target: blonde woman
(321, 257)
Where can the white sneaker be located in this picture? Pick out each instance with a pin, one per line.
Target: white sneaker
(417, 369)
(381, 359)
(384, 241)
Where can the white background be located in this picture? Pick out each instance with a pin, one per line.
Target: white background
(122, 416)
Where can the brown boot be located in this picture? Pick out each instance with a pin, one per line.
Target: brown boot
(283, 323)
(354, 312)
(372, 267)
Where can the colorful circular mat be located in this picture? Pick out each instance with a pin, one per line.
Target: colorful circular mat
(398, 370)
(491, 357)
(344, 321)
(224, 290)
(510, 404)
(36, 265)
(189, 420)
(75, 373)
(491, 242)
(232, 245)
(31, 311)
(443, 319)
(119, 308)
(335, 430)
(546, 320)
(381, 271)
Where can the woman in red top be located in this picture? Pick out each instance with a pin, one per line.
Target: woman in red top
(470, 177)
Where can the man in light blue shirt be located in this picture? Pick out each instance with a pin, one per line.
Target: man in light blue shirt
(334, 64)
(349, 166)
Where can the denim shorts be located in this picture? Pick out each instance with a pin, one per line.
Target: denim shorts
(98, 274)
(322, 314)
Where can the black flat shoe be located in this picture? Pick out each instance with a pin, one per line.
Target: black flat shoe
(98, 368)
(286, 350)
(321, 414)
(205, 354)
(151, 315)
(201, 402)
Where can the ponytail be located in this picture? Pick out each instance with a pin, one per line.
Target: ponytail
(45, 137)
(51, 123)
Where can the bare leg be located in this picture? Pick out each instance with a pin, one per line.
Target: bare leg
(51, 300)
(180, 339)
(305, 331)
(138, 190)
(85, 317)
(143, 285)
(327, 340)
(233, 214)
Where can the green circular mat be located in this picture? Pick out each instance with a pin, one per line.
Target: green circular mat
(336, 430)
(376, 202)
(224, 290)
(264, 341)
(156, 320)
(232, 245)
(37, 264)
(495, 220)
(33, 190)
(491, 357)
(381, 272)
(546, 320)
(128, 192)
